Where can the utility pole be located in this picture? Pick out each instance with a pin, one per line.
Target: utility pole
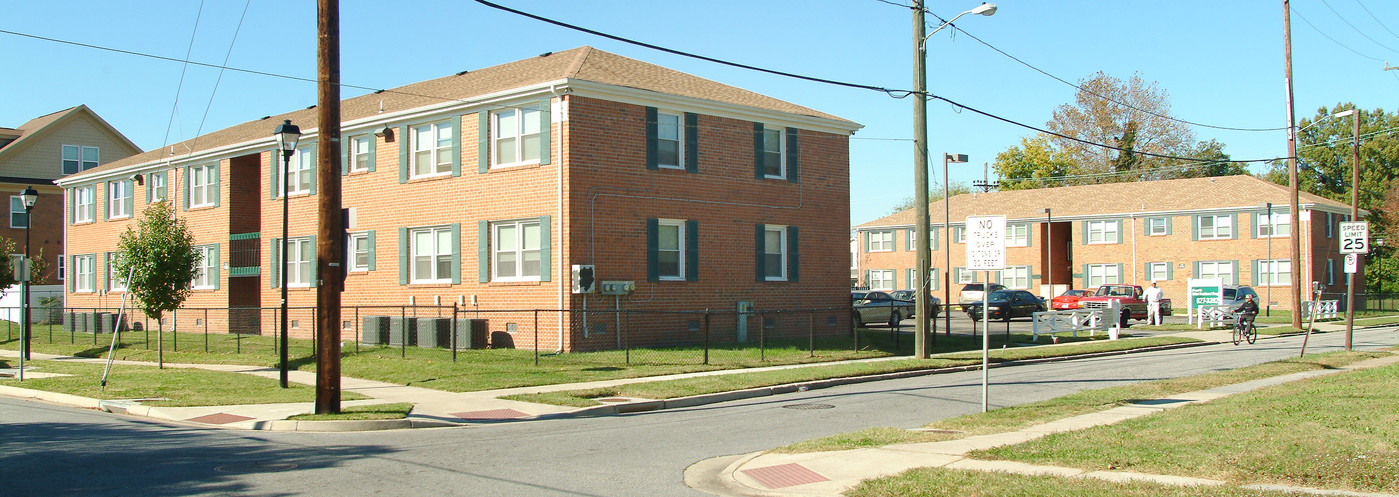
(920, 181)
(330, 233)
(1354, 216)
(1295, 242)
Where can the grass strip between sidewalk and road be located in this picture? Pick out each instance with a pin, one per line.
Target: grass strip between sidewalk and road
(939, 482)
(176, 387)
(670, 389)
(397, 410)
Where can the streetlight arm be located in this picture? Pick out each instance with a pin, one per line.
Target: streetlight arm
(985, 9)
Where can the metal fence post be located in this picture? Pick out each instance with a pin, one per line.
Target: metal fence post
(454, 332)
(536, 335)
(626, 340)
(403, 333)
(357, 325)
(706, 335)
(762, 337)
(811, 333)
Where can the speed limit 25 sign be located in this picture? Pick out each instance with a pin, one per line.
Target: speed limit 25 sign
(1355, 237)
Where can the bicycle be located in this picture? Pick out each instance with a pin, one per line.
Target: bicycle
(1242, 333)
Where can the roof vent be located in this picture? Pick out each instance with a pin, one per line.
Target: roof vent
(546, 54)
(463, 72)
(310, 107)
(378, 91)
(264, 118)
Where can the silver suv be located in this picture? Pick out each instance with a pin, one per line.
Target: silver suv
(1234, 296)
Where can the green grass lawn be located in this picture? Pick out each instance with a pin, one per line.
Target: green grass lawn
(182, 387)
(397, 410)
(936, 482)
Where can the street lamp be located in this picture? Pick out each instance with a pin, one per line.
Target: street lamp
(287, 135)
(947, 229)
(29, 196)
(1354, 216)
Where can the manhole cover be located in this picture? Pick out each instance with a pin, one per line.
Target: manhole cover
(255, 467)
(807, 407)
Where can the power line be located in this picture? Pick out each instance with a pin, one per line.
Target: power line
(1333, 40)
(1377, 20)
(198, 131)
(175, 106)
(1352, 26)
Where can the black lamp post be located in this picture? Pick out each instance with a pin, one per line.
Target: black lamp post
(287, 135)
(30, 196)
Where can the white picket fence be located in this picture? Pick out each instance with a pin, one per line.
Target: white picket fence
(1325, 309)
(1090, 320)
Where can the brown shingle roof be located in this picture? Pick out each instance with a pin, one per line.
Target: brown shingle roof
(1114, 199)
(583, 63)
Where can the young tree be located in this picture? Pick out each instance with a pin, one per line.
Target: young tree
(1034, 164)
(158, 260)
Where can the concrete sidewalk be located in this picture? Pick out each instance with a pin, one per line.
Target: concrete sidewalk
(762, 474)
(433, 408)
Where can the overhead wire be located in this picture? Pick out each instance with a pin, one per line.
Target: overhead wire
(218, 80)
(1333, 40)
(1357, 30)
(1377, 20)
(184, 68)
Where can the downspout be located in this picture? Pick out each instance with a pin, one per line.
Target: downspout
(1136, 280)
(564, 287)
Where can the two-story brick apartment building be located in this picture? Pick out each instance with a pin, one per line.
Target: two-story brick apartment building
(1166, 231)
(37, 153)
(483, 189)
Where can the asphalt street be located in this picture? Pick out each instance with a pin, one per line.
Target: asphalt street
(54, 450)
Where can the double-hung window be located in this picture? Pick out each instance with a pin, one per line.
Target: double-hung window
(881, 279)
(358, 247)
(1103, 274)
(84, 275)
(879, 241)
(515, 136)
(119, 199)
(516, 250)
(961, 275)
(360, 156)
(299, 175)
(83, 203)
(432, 254)
(1216, 227)
(774, 153)
(1158, 271)
(1223, 270)
(203, 180)
(116, 282)
(1017, 235)
(959, 234)
(775, 253)
(206, 274)
(155, 187)
(431, 149)
(79, 158)
(1016, 277)
(1278, 272)
(1102, 232)
(1280, 224)
(62, 271)
(298, 259)
(670, 143)
(1158, 226)
(18, 217)
(670, 249)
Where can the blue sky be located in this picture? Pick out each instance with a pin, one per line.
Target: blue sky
(1220, 61)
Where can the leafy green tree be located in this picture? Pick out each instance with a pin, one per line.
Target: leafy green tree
(158, 260)
(934, 195)
(1036, 163)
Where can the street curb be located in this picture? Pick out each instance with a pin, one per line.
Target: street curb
(712, 398)
(47, 396)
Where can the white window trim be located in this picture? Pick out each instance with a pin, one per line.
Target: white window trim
(115, 283)
(1151, 226)
(305, 253)
(519, 136)
(884, 277)
(1215, 228)
(1273, 225)
(1275, 268)
(351, 255)
(961, 276)
(1152, 269)
(782, 251)
(434, 257)
(199, 180)
(434, 151)
(1102, 277)
(1104, 229)
(1226, 277)
(62, 269)
(156, 188)
(521, 225)
(679, 139)
(1011, 282)
(1017, 235)
(116, 206)
(300, 166)
(85, 272)
(680, 241)
(82, 157)
(781, 151)
(206, 271)
(18, 201)
(884, 239)
(959, 234)
(84, 212)
(355, 154)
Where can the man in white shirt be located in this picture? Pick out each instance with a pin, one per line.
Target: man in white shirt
(1153, 305)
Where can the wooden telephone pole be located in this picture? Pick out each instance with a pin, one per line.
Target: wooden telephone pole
(330, 232)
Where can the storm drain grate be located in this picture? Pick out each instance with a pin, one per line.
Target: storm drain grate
(808, 407)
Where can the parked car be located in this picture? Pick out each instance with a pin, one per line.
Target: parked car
(878, 307)
(1068, 300)
(1008, 304)
(1130, 297)
(934, 303)
(973, 292)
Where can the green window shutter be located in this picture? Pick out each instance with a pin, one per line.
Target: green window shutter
(72, 205)
(403, 138)
(792, 149)
(1029, 236)
(483, 252)
(314, 263)
(273, 262)
(1253, 228)
(274, 176)
(214, 254)
(456, 150)
(346, 147)
(311, 154)
(1235, 267)
(483, 144)
(759, 251)
(131, 199)
(692, 251)
(1120, 234)
(1085, 277)
(373, 150)
(72, 278)
(371, 250)
(1195, 268)
(691, 142)
(106, 195)
(1120, 278)
(758, 150)
(1234, 223)
(793, 255)
(1170, 221)
(545, 130)
(218, 180)
(1170, 270)
(652, 249)
(403, 259)
(1084, 229)
(456, 253)
(868, 277)
(545, 262)
(936, 235)
(1195, 228)
(652, 136)
(1255, 280)
(106, 270)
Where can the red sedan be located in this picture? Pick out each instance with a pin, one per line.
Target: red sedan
(1068, 300)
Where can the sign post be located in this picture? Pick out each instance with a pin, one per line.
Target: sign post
(1355, 241)
(986, 251)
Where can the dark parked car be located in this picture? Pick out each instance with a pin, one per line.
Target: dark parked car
(1008, 304)
(934, 303)
(878, 307)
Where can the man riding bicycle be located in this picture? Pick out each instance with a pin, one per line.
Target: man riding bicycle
(1246, 312)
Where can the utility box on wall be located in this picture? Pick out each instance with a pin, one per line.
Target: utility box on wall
(617, 287)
